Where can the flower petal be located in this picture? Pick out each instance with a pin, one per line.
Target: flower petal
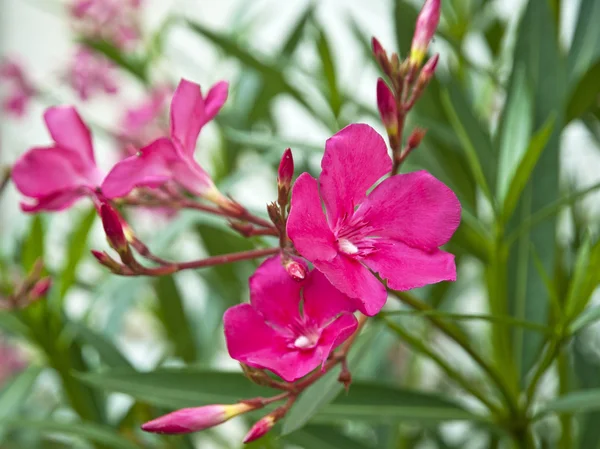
(406, 268)
(187, 115)
(55, 202)
(68, 131)
(415, 208)
(274, 294)
(335, 334)
(355, 280)
(148, 168)
(188, 173)
(215, 99)
(323, 302)
(355, 158)
(251, 341)
(306, 225)
(44, 171)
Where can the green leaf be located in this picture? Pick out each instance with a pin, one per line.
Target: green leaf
(589, 316)
(86, 430)
(585, 49)
(574, 402)
(177, 387)
(138, 67)
(473, 137)
(294, 38)
(385, 403)
(75, 250)
(585, 278)
(33, 246)
(324, 437)
(325, 389)
(173, 316)
(108, 352)
(525, 168)
(327, 65)
(514, 132)
(16, 391)
(494, 34)
(585, 93)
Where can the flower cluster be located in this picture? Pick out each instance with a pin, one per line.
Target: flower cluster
(21, 90)
(344, 239)
(90, 73)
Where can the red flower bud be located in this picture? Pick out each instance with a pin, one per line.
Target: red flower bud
(386, 103)
(260, 429)
(40, 288)
(189, 420)
(286, 169)
(296, 270)
(107, 261)
(427, 23)
(381, 56)
(113, 228)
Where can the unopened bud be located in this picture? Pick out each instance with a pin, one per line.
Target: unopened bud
(40, 288)
(113, 228)
(388, 111)
(415, 138)
(107, 261)
(286, 169)
(261, 428)
(381, 56)
(427, 72)
(189, 420)
(295, 269)
(227, 204)
(427, 23)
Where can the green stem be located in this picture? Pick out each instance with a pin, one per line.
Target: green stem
(566, 439)
(545, 363)
(462, 340)
(420, 346)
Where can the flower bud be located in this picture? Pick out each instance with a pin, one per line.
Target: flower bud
(381, 56)
(296, 270)
(107, 261)
(261, 428)
(415, 138)
(386, 103)
(113, 228)
(40, 288)
(189, 420)
(286, 169)
(427, 72)
(427, 23)
(227, 204)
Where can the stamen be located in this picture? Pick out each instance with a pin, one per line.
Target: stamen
(302, 342)
(346, 246)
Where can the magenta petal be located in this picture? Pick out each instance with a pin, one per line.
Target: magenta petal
(187, 115)
(355, 158)
(148, 168)
(336, 333)
(415, 208)
(44, 171)
(188, 173)
(215, 99)
(323, 302)
(406, 268)
(274, 294)
(307, 226)
(68, 130)
(55, 202)
(356, 281)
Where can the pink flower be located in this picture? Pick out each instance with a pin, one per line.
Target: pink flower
(11, 362)
(290, 327)
(172, 159)
(194, 419)
(21, 90)
(395, 230)
(91, 73)
(427, 23)
(58, 175)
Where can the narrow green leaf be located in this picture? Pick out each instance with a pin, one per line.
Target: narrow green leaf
(585, 278)
(324, 437)
(86, 430)
(585, 93)
(75, 250)
(575, 402)
(135, 65)
(327, 64)
(108, 352)
(33, 246)
(585, 49)
(295, 37)
(16, 391)
(174, 318)
(589, 316)
(324, 390)
(524, 170)
(177, 387)
(378, 402)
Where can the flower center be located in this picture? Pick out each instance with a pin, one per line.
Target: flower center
(304, 336)
(346, 246)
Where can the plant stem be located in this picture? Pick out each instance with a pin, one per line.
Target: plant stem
(459, 338)
(566, 438)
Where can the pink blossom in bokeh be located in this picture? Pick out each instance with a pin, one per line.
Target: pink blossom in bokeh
(20, 89)
(11, 362)
(91, 73)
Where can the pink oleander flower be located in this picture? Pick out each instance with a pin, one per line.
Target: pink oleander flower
(20, 88)
(195, 419)
(427, 23)
(91, 73)
(56, 176)
(395, 230)
(290, 326)
(11, 362)
(115, 21)
(147, 121)
(172, 158)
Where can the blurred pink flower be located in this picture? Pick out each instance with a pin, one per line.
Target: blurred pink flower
(116, 21)
(172, 158)
(290, 327)
(11, 362)
(20, 89)
(90, 73)
(395, 230)
(58, 175)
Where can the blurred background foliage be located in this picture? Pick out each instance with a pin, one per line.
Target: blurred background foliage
(513, 119)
